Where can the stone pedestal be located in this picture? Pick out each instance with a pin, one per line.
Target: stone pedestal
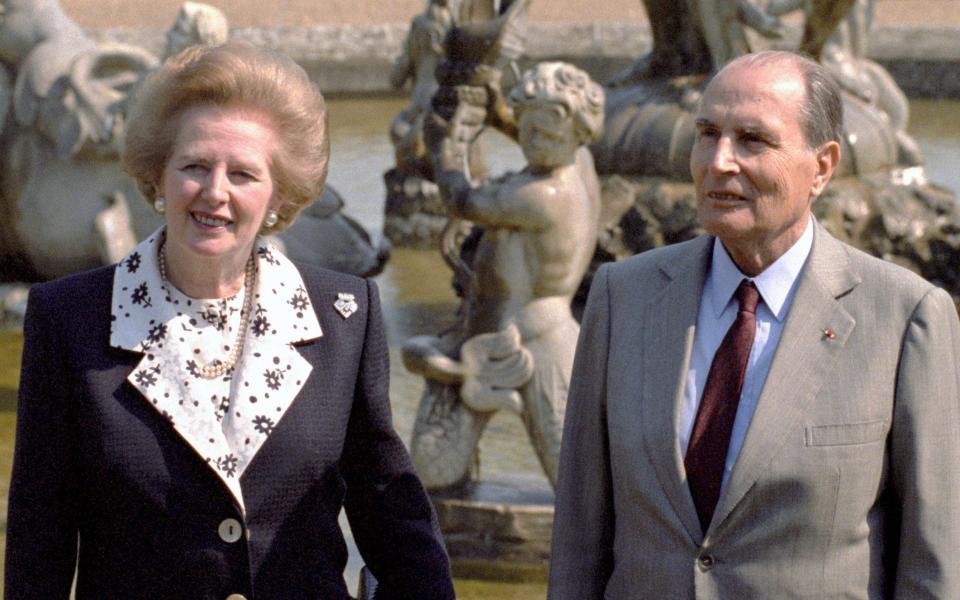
(498, 523)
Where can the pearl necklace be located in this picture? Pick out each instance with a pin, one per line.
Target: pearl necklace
(218, 368)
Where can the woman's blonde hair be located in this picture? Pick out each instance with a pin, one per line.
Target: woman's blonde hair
(233, 75)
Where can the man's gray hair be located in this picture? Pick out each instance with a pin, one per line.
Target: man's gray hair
(822, 112)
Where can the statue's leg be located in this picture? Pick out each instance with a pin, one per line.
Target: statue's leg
(445, 437)
(545, 395)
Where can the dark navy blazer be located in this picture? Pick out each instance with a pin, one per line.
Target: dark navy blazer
(95, 462)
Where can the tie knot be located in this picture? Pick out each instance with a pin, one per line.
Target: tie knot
(748, 295)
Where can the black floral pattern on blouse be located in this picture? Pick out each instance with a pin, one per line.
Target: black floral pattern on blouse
(228, 464)
(193, 368)
(217, 318)
(145, 378)
(273, 378)
(267, 254)
(300, 301)
(133, 262)
(221, 404)
(263, 424)
(156, 335)
(141, 296)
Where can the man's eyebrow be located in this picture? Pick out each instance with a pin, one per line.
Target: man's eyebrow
(702, 122)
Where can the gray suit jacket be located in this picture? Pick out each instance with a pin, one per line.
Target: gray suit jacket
(848, 483)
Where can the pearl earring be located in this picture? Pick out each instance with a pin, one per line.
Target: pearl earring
(160, 205)
(271, 219)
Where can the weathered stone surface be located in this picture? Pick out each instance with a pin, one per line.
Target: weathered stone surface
(345, 59)
(507, 520)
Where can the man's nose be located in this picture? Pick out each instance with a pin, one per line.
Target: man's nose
(724, 156)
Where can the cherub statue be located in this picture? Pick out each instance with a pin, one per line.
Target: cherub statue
(414, 210)
(196, 24)
(513, 347)
(422, 51)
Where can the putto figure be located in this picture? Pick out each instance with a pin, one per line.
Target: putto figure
(518, 272)
(195, 24)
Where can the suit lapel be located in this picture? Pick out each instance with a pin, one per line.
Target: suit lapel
(668, 326)
(804, 356)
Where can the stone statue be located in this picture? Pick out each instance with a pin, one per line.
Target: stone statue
(649, 124)
(65, 203)
(415, 213)
(878, 198)
(196, 24)
(518, 271)
(723, 24)
(837, 33)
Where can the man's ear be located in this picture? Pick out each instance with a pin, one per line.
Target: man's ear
(828, 157)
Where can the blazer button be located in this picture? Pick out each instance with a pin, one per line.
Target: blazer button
(706, 562)
(230, 531)
(236, 597)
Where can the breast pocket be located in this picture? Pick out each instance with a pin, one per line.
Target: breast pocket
(846, 434)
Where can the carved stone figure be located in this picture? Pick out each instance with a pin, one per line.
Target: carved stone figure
(62, 198)
(878, 199)
(196, 24)
(415, 214)
(518, 271)
(649, 123)
(65, 203)
(723, 24)
(837, 34)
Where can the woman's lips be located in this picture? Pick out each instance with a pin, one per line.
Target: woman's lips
(209, 220)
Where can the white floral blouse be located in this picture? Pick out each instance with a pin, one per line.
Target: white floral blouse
(228, 418)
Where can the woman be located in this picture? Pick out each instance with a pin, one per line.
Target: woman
(198, 414)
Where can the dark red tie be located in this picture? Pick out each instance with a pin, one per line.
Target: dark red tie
(707, 452)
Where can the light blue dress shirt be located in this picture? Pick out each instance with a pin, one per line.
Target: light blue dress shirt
(718, 309)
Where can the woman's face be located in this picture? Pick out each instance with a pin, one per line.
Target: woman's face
(217, 182)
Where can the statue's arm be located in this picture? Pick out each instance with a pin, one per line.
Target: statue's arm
(527, 208)
(402, 67)
(422, 354)
(762, 22)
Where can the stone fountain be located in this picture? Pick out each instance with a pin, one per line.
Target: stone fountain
(65, 203)
(492, 359)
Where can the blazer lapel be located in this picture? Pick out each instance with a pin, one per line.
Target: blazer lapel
(669, 325)
(804, 355)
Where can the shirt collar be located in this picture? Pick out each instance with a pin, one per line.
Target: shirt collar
(774, 283)
(279, 292)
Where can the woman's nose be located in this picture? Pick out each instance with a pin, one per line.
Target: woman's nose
(215, 186)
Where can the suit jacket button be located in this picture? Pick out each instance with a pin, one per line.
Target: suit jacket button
(236, 597)
(230, 531)
(706, 562)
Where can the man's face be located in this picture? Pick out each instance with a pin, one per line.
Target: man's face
(755, 176)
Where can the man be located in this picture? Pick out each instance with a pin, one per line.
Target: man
(797, 438)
